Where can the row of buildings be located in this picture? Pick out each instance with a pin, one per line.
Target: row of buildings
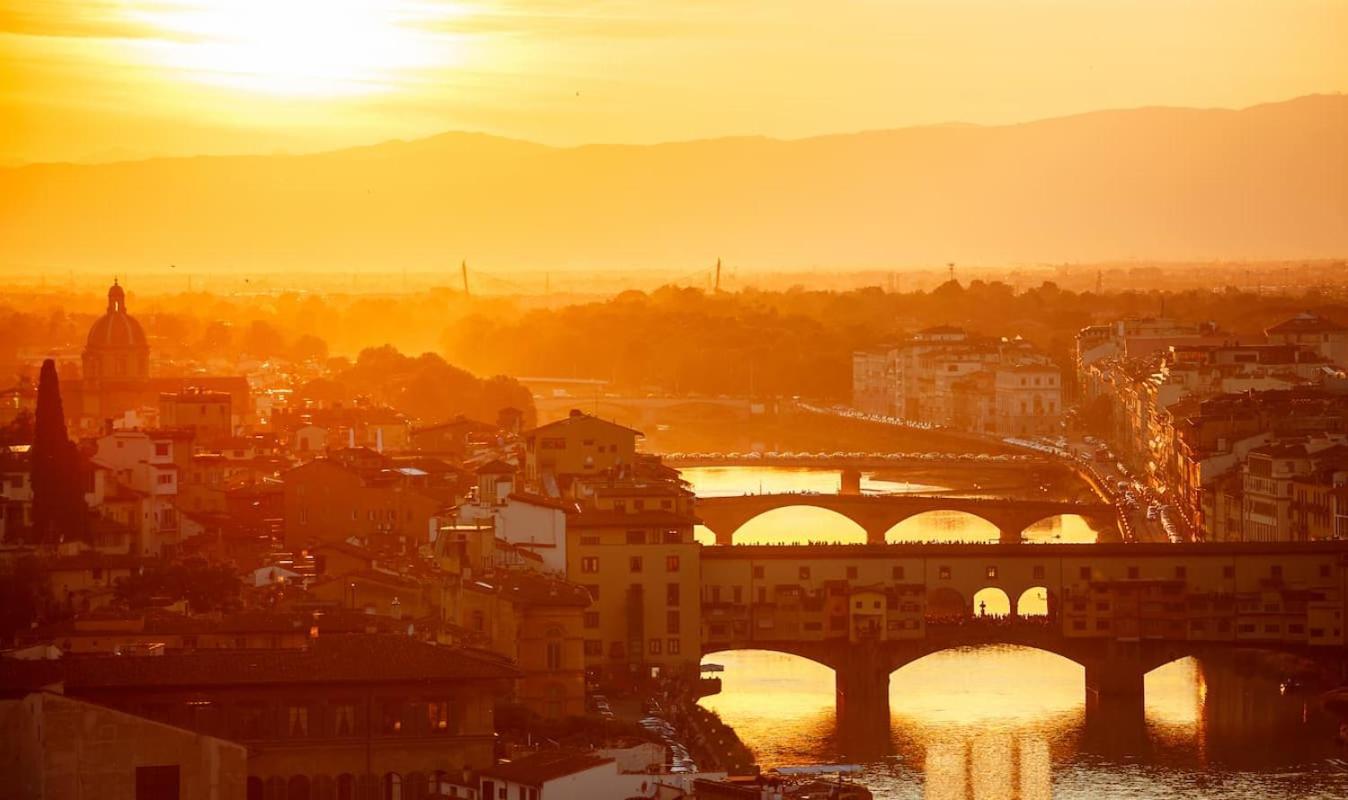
(1247, 438)
(399, 581)
(948, 377)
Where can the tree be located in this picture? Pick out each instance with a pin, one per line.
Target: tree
(23, 596)
(206, 587)
(59, 512)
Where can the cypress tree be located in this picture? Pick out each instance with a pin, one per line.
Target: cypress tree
(58, 497)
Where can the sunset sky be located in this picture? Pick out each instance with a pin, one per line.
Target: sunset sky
(110, 79)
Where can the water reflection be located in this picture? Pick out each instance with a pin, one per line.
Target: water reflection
(1005, 722)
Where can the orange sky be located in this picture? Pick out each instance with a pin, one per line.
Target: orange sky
(108, 79)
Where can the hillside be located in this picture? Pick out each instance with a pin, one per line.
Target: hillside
(1264, 182)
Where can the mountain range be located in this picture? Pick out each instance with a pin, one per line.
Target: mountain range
(1270, 181)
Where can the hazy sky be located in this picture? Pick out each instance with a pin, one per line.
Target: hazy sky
(106, 79)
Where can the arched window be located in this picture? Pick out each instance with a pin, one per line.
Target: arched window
(393, 786)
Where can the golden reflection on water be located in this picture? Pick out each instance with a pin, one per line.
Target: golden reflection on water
(988, 706)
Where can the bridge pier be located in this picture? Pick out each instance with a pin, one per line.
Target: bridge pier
(1011, 534)
(862, 680)
(1115, 684)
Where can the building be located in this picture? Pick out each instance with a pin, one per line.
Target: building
(946, 376)
(358, 715)
(554, 775)
(116, 361)
(208, 415)
(117, 384)
(578, 446)
(362, 494)
(631, 545)
(1307, 329)
(54, 747)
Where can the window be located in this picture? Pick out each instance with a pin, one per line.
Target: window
(851, 573)
(589, 564)
(943, 573)
(157, 783)
(161, 448)
(298, 725)
(991, 572)
(738, 593)
(672, 647)
(634, 564)
(671, 594)
(1085, 573)
(391, 720)
(896, 573)
(344, 720)
(636, 537)
(1039, 572)
(1228, 571)
(671, 563)
(656, 647)
(594, 647)
(554, 656)
(672, 622)
(437, 716)
(758, 573)
(589, 541)
(1134, 572)
(805, 573)
(165, 479)
(671, 536)
(1181, 572)
(592, 619)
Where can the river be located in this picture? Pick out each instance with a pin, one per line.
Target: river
(998, 723)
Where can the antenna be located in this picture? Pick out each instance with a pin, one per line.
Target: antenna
(463, 267)
(951, 266)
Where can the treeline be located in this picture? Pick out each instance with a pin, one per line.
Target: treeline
(789, 342)
(426, 387)
(800, 342)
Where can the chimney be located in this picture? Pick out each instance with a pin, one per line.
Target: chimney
(576, 412)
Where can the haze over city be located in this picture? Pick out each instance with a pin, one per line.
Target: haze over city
(588, 399)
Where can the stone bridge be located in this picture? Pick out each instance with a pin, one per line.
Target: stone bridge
(1118, 610)
(876, 514)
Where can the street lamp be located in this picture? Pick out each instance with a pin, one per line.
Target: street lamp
(397, 608)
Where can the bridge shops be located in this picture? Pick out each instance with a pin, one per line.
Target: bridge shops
(1117, 610)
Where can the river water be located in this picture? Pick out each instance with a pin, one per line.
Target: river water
(999, 723)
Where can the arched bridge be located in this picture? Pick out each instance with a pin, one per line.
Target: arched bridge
(1118, 610)
(876, 514)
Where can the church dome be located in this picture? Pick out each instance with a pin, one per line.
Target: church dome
(116, 329)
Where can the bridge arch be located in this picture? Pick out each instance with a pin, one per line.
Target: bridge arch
(1036, 601)
(800, 523)
(943, 525)
(992, 601)
(1065, 528)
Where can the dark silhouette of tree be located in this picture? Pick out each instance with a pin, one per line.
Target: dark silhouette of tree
(59, 512)
(206, 587)
(24, 597)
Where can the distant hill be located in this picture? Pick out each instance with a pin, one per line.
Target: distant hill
(1264, 182)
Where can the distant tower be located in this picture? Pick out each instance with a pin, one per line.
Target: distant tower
(463, 267)
(717, 286)
(1099, 281)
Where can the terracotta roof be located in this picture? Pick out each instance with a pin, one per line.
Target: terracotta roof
(578, 416)
(347, 658)
(1306, 322)
(496, 467)
(539, 768)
